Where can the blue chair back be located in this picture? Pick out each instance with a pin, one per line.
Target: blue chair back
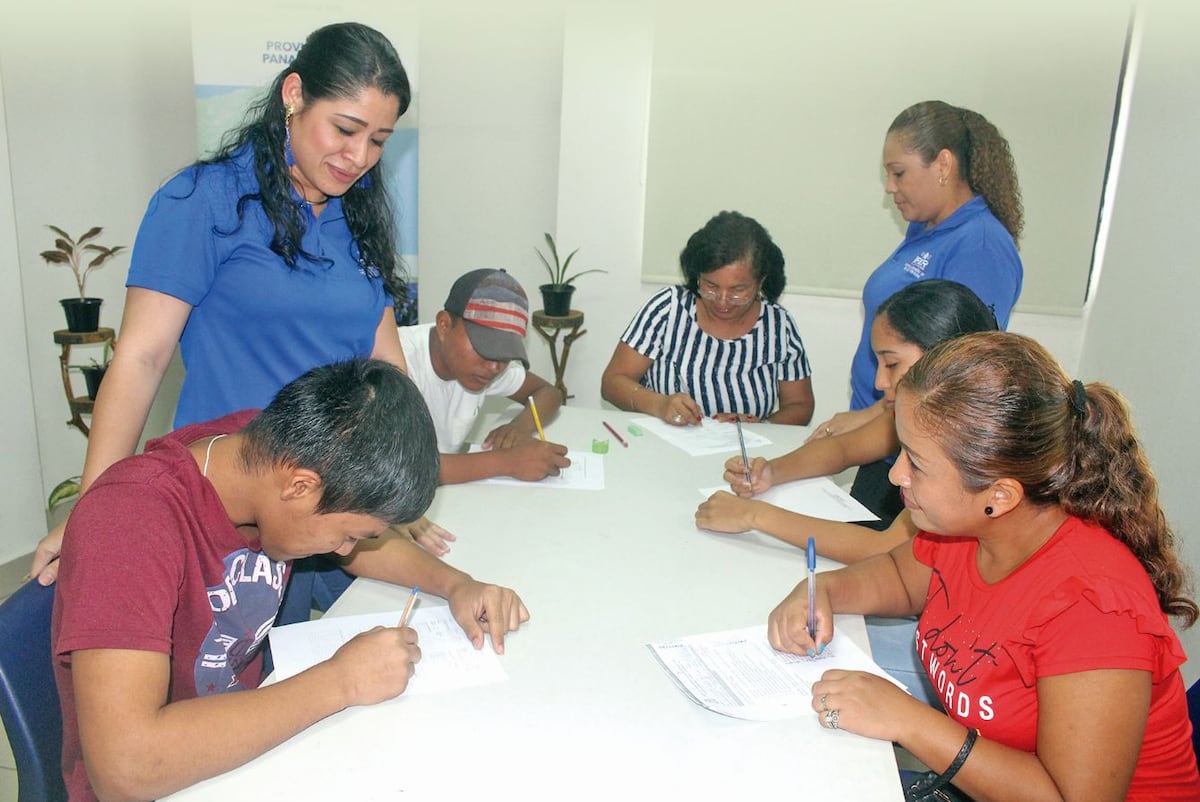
(28, 694)
(1193, 697)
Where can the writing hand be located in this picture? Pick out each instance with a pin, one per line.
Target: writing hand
(376, 665)
(679, 409)
(761, 476)
(534, 460)
(787, 625)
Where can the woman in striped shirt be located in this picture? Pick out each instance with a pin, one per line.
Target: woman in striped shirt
(719, 345)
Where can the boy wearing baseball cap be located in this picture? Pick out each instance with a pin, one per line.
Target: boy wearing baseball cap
(475, 349)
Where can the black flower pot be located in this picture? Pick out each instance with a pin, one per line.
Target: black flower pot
(83, 314)
(92, 376)
(556, 299)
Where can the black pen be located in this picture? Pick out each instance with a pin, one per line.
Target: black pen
(737, 419)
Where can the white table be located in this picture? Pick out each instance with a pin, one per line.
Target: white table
(587, 713)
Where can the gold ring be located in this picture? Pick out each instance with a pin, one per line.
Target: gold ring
(824, 709)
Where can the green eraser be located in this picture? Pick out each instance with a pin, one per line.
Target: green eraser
(635, 430)
(599, 446)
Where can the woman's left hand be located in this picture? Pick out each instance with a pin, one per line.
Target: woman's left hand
(866, 704)
(725, 512)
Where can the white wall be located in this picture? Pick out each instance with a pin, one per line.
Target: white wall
(1141, 334)
(98, 111)
(601, 202)
(20, 472)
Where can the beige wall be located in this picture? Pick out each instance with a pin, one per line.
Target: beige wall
(1141, 333)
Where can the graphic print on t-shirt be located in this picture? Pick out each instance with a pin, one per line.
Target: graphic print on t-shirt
(243, 606)
(954, 655)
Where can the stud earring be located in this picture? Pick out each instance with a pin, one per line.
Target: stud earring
(988, 511)
(289, 158)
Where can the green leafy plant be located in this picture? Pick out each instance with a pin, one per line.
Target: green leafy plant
(72, 252)
(558, 271)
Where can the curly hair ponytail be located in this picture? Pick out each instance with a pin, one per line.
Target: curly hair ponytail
(1002, 407)
(1108, 480)
(984, 158)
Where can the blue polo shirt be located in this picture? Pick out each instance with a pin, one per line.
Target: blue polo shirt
(971, 247)
(256, 324)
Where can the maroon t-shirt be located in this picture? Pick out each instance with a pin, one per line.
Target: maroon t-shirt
(151, 562)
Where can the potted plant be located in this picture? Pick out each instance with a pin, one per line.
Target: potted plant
(83, 313)
(556, 296)
(93, 373)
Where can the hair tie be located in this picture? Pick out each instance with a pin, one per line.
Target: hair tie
(1079, 398)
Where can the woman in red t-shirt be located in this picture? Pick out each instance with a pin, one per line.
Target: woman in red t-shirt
(1044, 575)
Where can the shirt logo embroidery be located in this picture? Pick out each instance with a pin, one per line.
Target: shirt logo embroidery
(917, 265)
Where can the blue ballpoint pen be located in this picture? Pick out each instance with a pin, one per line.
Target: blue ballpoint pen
(811, 553)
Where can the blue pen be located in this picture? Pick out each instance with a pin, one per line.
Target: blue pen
(811, 553)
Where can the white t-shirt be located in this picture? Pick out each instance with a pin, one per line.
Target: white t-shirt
(453, 407)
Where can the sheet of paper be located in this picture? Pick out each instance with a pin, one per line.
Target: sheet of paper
(819, 497)
(738, 674)
(586, 472)
(448, 660)
(710, 437)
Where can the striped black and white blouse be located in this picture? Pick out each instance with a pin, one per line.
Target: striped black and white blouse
(739, 375)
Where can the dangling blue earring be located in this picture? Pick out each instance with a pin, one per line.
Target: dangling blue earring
(365, 181)
(289, 158)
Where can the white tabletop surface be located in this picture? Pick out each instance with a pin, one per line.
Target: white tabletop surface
(586, 712)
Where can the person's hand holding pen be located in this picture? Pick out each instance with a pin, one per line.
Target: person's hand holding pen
(678, 409)
(375, 665)
(761, 476)
(787, 625)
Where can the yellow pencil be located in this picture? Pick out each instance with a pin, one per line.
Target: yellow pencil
(408, 607)
(536, 420)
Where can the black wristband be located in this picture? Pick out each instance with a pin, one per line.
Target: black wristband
(960, 758)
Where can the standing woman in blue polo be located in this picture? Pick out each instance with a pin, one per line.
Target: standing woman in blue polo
(951, 175)
(718, 346)
(273, 256)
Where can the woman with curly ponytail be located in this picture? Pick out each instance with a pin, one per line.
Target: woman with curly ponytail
(1045, 575)
(275, 255)
(951, 175)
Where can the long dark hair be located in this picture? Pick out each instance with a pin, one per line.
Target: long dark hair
(1000, 406)
(928, 312)
(336, 61)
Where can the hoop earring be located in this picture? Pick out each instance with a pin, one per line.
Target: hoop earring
(942, 181)
(289, 158)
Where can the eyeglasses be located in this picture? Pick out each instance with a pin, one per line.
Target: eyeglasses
(739, 297)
